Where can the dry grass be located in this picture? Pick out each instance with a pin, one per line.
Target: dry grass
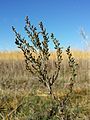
(16, 83)
(11, 55)
(17, 55)
(12, 66)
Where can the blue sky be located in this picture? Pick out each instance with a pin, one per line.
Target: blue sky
(62, 17)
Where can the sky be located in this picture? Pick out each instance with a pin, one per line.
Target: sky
(64, 18)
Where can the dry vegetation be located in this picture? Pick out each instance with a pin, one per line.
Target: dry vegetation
(18, 87)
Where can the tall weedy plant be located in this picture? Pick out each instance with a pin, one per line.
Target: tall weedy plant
(37, 55)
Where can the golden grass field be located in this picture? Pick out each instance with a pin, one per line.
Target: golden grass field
(19, 55)
(16, 83)
(9, 61)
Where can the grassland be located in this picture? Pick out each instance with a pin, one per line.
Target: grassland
(21, 94)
